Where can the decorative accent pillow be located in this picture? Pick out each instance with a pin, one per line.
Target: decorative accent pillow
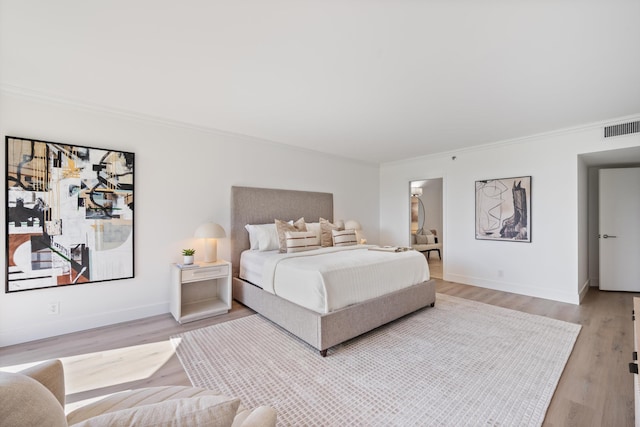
(282, 227)
(431, 239)
(421, 239)
(344, 237)
(263, 237)
(299, 241)
(326, 227)
(315, 227)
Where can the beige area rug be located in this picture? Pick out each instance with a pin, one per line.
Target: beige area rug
(461, 363)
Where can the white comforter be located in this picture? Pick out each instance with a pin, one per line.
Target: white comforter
(328, 279)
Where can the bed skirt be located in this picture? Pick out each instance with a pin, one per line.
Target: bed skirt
(323, 331)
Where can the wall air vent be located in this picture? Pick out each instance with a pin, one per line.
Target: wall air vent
(622, 129)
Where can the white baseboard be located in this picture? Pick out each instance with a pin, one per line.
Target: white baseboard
(75, 324)
(584, 289)
(515, 288)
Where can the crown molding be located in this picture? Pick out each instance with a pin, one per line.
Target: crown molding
(83, 105)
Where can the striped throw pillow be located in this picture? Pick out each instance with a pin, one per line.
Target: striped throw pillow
(299, 241)
(344, 237)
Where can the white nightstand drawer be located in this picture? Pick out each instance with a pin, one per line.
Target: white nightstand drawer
(204, 273)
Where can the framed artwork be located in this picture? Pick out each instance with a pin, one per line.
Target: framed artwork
(69, 214)
(503, 209)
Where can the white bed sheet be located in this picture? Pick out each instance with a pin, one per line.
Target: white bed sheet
(251, 264)
(328, 279)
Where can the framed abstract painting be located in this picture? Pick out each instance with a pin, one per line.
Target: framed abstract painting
(503, 209)
(69, 214)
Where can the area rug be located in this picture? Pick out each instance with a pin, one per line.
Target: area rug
(458, 363)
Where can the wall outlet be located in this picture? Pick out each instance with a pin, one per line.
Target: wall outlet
(54, 308)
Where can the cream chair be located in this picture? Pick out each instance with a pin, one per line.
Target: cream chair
(36, 397)
(426, 242)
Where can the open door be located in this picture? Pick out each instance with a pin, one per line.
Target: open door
(426, 209)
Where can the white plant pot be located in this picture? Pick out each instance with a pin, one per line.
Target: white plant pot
(187, 259)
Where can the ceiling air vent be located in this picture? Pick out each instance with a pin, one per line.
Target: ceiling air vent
(622, 129)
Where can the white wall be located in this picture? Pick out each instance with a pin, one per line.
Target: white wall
(182, 178)
(555, 264)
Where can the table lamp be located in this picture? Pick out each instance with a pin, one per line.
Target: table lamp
(210, 231)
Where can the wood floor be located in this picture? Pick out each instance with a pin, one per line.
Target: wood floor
(435, 266)
(596, 388)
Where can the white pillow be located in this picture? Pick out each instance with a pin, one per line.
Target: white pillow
(253, 236)
(315, 227)
(344, 237)
(282, 227)
(431, 239)
(263, 237)
(299, 241)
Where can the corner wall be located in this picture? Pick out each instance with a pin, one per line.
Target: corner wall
(555, 264)
(183, 178)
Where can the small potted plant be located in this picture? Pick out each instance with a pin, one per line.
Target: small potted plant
(187, 256)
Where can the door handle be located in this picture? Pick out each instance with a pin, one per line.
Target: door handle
(606, 236)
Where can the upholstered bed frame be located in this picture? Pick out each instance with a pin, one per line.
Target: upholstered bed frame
(261, 206)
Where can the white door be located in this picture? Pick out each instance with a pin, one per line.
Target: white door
(620, 229)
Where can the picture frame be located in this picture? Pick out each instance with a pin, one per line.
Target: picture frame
(69, 214)
(503, 209)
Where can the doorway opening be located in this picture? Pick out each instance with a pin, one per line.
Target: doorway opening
(426, 222)
(590, 207)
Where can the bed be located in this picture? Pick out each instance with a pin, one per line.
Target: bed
(251, 205)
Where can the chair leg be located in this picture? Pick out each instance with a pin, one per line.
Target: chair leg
(439, 256)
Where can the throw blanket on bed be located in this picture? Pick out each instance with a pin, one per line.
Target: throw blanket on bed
(327, 279)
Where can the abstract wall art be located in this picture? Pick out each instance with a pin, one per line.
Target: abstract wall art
(69, 214)
(503, 209)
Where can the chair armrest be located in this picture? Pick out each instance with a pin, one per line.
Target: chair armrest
(51, 375)
(262, 416)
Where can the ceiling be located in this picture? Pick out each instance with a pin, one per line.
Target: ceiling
(375, 80)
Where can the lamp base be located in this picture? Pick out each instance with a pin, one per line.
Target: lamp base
(210, 250)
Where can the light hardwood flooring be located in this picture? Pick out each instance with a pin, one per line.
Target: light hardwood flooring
(596, 388)
(435, 266)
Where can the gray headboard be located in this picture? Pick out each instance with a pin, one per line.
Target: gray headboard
(250, 205)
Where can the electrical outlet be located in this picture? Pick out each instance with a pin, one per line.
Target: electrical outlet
(54, 308)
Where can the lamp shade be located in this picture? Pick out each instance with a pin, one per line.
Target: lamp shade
(416, 191)
(210, 230)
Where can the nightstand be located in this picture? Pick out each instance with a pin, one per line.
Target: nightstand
(200, 291)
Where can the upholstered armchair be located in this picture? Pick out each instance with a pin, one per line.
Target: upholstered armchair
(426, 242)
(36, 397)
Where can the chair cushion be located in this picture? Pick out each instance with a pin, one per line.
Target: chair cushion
(139, 397)
(26, 402)
(187, 412)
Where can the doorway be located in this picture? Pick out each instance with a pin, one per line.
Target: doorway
(427, 219)
(589, 210)
(619, 229)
